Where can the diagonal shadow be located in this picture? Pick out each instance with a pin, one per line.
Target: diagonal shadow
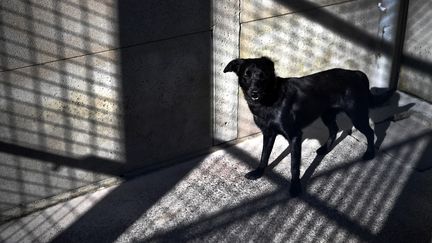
(209, 225)
(153, 115)
(411, 214)
(355, 34)
(108, 223)
(90, 163)
(155, 188)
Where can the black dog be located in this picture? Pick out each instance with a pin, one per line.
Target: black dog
(286, 105)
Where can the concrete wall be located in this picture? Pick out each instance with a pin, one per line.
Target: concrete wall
(93, 89)
(416, 72)
(226, 30)
(303, 37)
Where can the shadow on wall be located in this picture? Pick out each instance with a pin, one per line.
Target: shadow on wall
(162, 92)
(61, 107)
(90, 89)
(357, 35)
(417, 44)
(166, 84)
(412, 60)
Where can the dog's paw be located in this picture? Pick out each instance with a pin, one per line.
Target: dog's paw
(322, 150)
(368, 155)
(295, 189)
(254, 174)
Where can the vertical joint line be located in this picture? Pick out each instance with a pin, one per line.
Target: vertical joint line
(238, 54)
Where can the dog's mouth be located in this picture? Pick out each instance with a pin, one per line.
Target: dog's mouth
(254, 96)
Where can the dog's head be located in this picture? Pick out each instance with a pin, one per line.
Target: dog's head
(256, 76)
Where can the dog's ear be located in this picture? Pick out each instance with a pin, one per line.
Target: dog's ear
(268, 61)
(234, 66)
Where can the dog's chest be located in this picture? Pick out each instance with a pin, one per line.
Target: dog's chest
(269, 119)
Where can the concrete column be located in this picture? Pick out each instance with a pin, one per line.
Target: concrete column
(226, 30)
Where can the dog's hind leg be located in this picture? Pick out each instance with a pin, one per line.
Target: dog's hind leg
(329, 119)
(360, 120)
(268, 142)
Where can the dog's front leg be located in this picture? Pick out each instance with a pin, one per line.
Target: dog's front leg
(268, 141)
(296, 141)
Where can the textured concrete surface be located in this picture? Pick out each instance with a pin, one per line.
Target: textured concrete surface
(167, 111)
(92, 107)
(153, 20)
(90, 89)
(344, 34)
(345, 199)
(260, 9)
(41, 31)
(54, 117)
(416, 73)
(226, 31)
(93, 89)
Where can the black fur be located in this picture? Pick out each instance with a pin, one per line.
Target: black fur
(286, 105)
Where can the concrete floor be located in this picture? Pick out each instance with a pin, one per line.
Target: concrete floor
(345, 199)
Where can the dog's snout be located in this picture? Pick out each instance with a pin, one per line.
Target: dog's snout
(254, 94)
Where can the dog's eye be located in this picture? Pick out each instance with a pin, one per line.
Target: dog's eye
(247, 73)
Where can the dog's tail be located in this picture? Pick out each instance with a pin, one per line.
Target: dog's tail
(379, 99)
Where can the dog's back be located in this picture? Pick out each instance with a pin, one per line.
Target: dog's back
(335, 89)
(331, 83)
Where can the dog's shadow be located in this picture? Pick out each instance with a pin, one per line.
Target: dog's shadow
(385, 115)
(381, 117)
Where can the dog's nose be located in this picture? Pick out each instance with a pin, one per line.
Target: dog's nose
(254, 94)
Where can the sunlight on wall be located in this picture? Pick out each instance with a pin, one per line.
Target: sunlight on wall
(60, 95)
(225, 48)
(416, 78)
